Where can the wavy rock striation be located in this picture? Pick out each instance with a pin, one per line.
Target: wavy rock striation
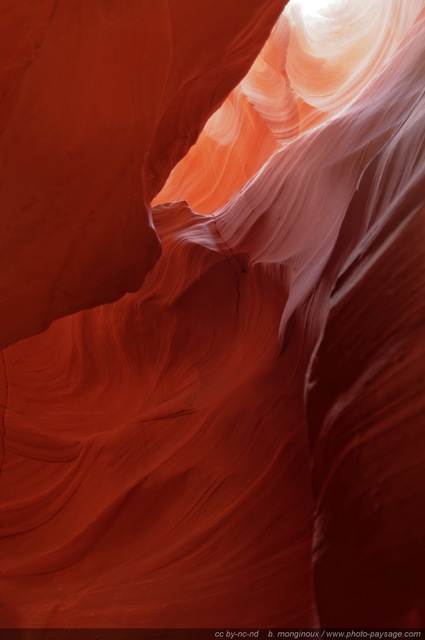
(238, 441)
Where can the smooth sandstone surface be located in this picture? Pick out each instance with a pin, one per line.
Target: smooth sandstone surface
(99, 101)
(226, 431)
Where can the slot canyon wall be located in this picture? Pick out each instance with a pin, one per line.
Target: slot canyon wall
(212, 314)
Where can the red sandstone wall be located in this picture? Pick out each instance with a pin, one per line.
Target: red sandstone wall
(212, 419)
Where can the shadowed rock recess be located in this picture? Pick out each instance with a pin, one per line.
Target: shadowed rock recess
(212, 283)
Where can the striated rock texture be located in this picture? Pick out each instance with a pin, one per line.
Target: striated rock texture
(213, 408)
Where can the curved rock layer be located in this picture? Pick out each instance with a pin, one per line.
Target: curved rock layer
(314, 64)
(238, 441)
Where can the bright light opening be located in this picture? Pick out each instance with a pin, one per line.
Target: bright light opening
(314, 7)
